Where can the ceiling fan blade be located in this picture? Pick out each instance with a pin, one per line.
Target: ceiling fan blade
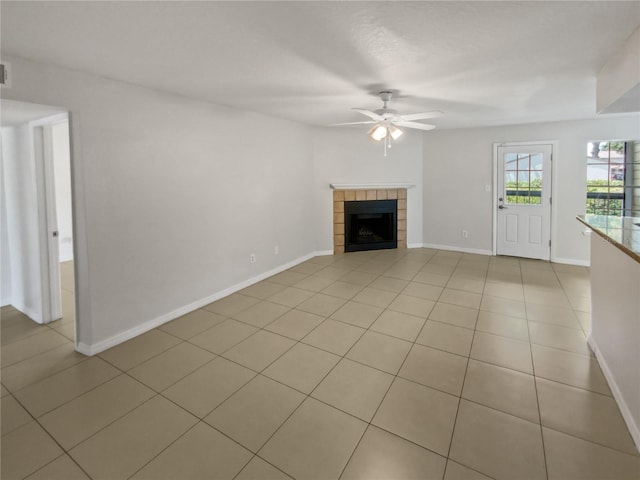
(419, 126)
(421, 116)
(369, 114)
(369, 122)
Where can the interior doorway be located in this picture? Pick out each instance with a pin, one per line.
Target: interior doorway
(36, 230)
(522, 203)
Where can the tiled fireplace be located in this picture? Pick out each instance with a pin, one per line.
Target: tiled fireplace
(350, 192)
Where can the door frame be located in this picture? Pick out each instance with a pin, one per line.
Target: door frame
(494, 200)
(47, 215)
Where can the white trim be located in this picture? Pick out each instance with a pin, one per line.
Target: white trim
(41, 155)
(622, 405)
(82, 281)
(51, 119)
(32, 314)
(554, 206)
(370, 186)
(476, 251)
(53, 250)
(571, 261)
(494, 199)
(37, 154)
(114, 340)
(94, 349)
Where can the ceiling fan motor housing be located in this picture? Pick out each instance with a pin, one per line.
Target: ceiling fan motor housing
(385, 96)
(387, 113)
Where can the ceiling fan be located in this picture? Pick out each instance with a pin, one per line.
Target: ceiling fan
(386, 121)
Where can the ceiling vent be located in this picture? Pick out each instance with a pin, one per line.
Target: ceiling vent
(5, 75)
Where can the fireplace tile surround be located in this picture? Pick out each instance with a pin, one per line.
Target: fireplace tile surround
(341, 195)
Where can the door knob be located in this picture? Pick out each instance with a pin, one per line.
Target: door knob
(502, 207)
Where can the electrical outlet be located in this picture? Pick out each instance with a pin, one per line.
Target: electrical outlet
(276, 250)
(465, 234)
(252, 258)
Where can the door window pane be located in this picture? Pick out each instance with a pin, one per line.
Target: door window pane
(536, 161)
(511, 161)
(523, 162)
(523, 178)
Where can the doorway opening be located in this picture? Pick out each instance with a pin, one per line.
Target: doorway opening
(36, 233)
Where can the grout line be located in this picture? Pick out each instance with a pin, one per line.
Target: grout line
(255, 455)
(64, 450)
(535, 386)
(351, 267)
(369, 423)
(464, 378)
(167, 447)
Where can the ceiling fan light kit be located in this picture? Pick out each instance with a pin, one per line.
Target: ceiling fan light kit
(385, 132)
(395, 132)
(386, 121)
(378, 132)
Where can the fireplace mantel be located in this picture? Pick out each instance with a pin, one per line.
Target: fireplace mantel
(370, 186)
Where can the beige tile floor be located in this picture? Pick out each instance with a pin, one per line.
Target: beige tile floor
(376, 365)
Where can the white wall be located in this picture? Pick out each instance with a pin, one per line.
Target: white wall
(173, 194)
(171, 197)
(348, 155)
(458, 165)
(615, 338)
(618, 85)
(62, 180)
(22, 246)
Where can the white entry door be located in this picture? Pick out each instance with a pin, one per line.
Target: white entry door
(524, 201)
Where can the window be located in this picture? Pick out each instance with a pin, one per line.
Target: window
(523, 178)
(613, 178)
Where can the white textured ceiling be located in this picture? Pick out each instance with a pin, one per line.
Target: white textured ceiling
(481, 63)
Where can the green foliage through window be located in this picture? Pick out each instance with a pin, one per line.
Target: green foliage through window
(605, 196)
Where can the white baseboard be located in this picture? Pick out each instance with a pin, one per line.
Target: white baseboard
(476, 251)
(93, 349)
(571, 261)
(35, 316)
(567, 261)
(631, 422)
(5, 302)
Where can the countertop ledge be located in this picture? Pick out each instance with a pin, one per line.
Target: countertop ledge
(622, 232)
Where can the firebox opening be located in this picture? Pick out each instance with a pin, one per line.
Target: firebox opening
(371, 225)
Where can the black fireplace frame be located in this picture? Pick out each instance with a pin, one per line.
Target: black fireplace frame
(370, 207)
